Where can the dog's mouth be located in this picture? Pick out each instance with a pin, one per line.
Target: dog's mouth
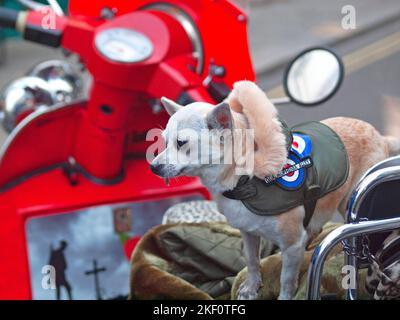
(168, 178)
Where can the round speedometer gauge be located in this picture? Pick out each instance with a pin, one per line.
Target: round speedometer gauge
(123, 45)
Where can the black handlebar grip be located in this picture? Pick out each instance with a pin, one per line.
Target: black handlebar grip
(8, 18)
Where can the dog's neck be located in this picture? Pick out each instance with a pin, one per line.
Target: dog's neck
(224, 177)
(219, 179)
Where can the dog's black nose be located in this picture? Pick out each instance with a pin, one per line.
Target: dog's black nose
(156, 169)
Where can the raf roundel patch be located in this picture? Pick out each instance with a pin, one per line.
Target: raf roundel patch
(301, 145)
(293, 173)
(294, 179)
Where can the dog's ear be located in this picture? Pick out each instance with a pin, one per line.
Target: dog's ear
(170, 106)
(220, 117)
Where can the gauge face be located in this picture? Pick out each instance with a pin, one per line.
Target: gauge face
(123, 45)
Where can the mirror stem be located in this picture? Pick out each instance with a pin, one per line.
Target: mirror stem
(280, 101)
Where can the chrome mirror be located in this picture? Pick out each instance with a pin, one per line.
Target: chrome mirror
(21, 97)
(64, 81)
(313, 76)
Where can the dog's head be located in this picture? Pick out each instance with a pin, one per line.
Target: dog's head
(195, 137)
(240, 136)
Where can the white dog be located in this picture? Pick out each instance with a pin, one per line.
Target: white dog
(248, 108)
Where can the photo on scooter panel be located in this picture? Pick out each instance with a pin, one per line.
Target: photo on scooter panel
(89, 265)
(204, 150)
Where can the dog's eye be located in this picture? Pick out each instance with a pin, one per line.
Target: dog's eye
(180, 143)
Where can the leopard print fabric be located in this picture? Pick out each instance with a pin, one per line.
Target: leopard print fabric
(193, 212)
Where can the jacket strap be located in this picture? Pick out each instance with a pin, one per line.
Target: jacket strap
(243, 190)
(311, 197)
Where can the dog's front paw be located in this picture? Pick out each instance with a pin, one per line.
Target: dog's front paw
(248, 289)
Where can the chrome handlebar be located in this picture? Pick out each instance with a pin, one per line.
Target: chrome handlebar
(33, 5)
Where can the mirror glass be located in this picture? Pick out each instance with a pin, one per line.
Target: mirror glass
(313, 77)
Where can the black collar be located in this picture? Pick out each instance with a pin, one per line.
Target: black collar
(288, 134)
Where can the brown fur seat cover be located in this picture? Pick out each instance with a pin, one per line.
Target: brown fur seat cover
(188, 261)
(331, 282)
(205, 261)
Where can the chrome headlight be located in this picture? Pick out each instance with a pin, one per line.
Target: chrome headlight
(23, 96)
(64, 81)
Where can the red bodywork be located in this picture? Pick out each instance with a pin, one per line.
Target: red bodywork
(109, 147)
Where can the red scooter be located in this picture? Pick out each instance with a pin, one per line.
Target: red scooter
(76, 191)
(75, 159)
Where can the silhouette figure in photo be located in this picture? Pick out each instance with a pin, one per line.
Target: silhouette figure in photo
(58, 261)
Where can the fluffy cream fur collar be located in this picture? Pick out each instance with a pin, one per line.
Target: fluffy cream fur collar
(249, 100)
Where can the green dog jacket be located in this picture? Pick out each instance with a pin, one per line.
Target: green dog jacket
(317, 164)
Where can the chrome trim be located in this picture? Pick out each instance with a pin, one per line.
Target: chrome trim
(188, 25)
(24, 95)
(55, 6)
(377, 165)
(25, 122)
(352, 229)
(37, 6)
(30, 118)
(33, 5)
(332, 239)
(365, 185)
(351, 260)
